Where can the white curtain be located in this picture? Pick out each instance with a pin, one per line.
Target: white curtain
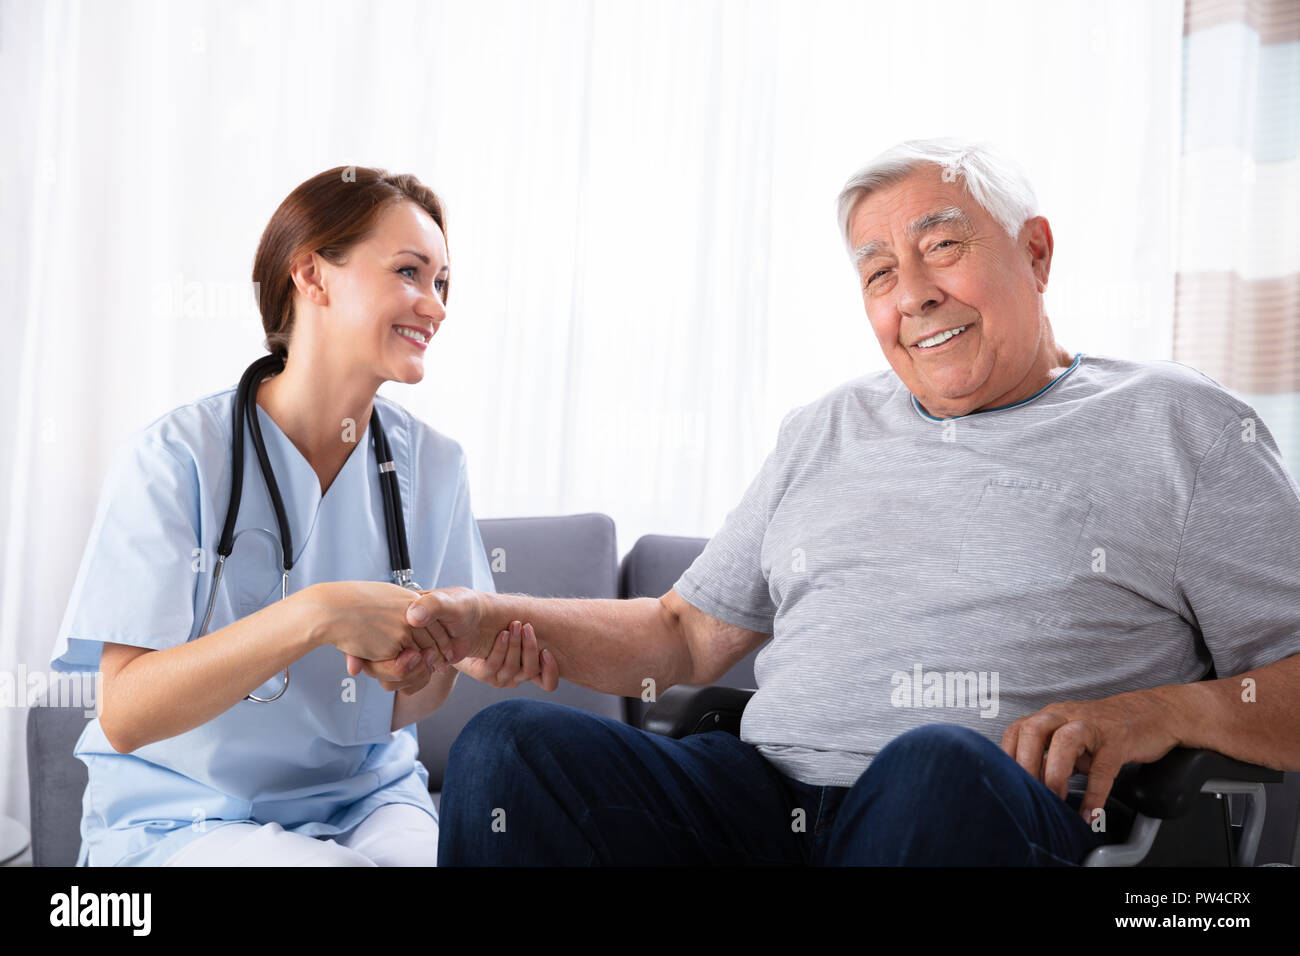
(647, 273)
(1237, 300)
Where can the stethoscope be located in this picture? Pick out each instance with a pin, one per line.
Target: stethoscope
(397, 550)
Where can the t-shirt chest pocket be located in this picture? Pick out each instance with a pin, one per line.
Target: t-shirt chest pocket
(1024, 529)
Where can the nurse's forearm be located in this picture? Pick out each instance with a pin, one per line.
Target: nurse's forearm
(612, 646)
(412, 708)
(159, 694)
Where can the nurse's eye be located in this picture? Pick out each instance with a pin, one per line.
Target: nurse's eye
(412, 268)
(441, 286)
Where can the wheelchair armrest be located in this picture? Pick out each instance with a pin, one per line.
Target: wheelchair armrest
(689, 709)
(1167, 788)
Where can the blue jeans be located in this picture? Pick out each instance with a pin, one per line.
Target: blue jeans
(537, 783)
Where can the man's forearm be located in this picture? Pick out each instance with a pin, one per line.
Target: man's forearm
(1253, 716)
(612, 646)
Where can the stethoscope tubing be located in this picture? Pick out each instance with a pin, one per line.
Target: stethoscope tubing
(395, 525)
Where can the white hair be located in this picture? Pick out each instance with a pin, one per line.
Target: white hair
(992, 179)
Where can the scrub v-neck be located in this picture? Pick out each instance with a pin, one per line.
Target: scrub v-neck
(302, 496)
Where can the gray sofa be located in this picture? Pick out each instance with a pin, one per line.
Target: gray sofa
(570, 556)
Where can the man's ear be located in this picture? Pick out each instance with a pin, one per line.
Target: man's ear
(1036, 240)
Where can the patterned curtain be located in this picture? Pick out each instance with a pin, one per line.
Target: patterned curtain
(1237, 299)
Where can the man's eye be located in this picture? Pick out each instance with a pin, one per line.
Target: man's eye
(946, 242)
(879, 272)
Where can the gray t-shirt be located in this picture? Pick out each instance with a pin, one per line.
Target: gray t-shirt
(1130, 525)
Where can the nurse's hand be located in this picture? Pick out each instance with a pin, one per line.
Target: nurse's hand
(365, 619)
(514, 660)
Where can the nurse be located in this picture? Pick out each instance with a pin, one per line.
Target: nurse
(184, 768)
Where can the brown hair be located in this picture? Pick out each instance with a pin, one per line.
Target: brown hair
(328, 214)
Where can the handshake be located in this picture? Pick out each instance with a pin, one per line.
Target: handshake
(403, 638)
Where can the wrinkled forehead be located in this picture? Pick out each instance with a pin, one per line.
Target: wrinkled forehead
(870, 239)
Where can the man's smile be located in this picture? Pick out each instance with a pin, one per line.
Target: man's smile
(941, 341)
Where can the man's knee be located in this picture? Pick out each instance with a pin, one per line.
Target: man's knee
(924, 800)
(936, 764)
(499, 728)
(520, 781)
(950, 748)
(511, 742)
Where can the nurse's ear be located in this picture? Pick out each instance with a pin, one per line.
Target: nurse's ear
(308, 275)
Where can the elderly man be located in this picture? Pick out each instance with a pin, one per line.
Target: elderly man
(991, 572)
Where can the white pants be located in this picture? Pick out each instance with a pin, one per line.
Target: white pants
(396, 834)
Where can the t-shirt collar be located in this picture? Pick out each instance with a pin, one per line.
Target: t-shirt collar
(1024, 401)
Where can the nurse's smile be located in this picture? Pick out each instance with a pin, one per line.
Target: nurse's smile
(417, 337)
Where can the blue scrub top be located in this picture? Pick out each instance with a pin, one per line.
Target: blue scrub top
(320, 759)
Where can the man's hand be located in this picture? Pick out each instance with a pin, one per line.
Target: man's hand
(1096, 737)
(452, 617)
(514, 660)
